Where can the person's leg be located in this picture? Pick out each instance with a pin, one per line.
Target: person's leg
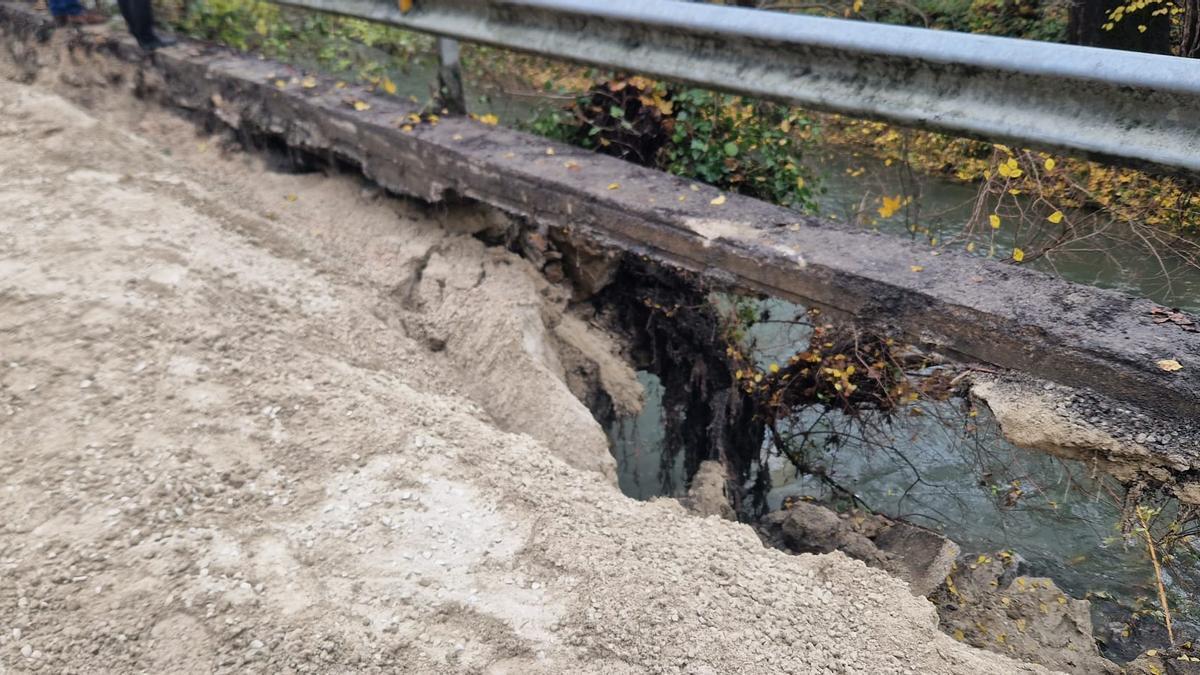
(139, 17)
(139, 20)
(65, 7)
(71, 12)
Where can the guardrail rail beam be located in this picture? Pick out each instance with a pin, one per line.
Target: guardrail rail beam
(1123, 107)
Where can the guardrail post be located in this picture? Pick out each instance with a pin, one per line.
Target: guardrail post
(450, 82)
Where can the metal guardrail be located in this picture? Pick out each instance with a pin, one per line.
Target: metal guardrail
(1122, 107)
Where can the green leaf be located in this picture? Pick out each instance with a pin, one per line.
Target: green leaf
(731, 149)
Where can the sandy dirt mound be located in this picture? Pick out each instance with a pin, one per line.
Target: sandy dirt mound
(246, 424)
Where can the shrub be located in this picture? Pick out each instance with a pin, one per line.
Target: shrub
(734, 143)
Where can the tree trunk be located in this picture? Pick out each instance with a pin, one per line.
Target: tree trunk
(1137, 32)
(1189, 43)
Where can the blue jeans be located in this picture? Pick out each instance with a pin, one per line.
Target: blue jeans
(65, 7)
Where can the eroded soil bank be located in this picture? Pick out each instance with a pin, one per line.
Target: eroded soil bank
(276, 422)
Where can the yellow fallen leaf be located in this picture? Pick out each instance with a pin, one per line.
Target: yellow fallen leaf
(549, 151)
(664, 106)
(489, 119)
(995, 221)
(389, 86)
(361, 105)
(405, 6)
(718, 201)
(280, 83)
(291, 198)
(774, 368)
(1050, 164)
(407, 128)
(308, 82)
(456, 137)
(890, 206)
(1170, 365)
(1010, 169)
(958, 635)
(614, 186)
(971, 247)
(1055, 217)
(917, 268)
(339, 85)
(1018, 254)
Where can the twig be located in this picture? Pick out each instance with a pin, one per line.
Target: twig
(1158, 576)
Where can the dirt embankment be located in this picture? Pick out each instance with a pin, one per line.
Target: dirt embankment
(274, 422)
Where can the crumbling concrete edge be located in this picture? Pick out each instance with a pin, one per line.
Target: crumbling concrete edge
(1032, 416)
(979, 310)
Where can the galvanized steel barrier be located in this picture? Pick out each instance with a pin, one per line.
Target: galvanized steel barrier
(1122, 107)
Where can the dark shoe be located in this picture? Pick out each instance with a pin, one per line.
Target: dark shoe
(87, 19)
(158, 42)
